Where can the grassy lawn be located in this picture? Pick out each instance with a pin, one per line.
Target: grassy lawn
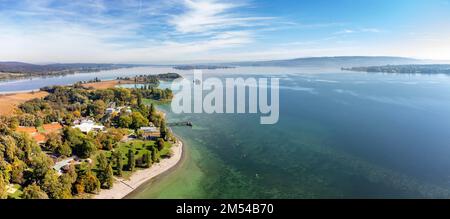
(139, 147)
(156, 102)
(41, 129)
(166, 150)
(18, 193)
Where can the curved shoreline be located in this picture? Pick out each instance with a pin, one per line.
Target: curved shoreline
(122, 188)
(161, 176)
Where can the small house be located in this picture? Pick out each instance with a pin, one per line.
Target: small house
(87, 126)
(151, 132)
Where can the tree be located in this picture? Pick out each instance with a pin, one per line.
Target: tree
(155, 156)
(10, 147)
(151, 112)
(163, 129)
(116, 134)
(139, 99)
(117, 157)
(73, 136)
(79, 187)
(152, 109)
(77, 114)
(71, 173)
(102, 161)
(131, 160)
(85, 149)
(109, 181)
(33, 191)
(18, 167)
(125, 121)
(160, 144)
(14, 123)
(140, 134)
(41, 164)
(98, 107)
(66, 181)
(52, 186)
(138, 120)
(64, 150)
(5, 170)
(147, 159)
(54, 141)
(105, 172)
(3, 189)
(108, 143)
(91, 183)
(82, 145)
(38, 122)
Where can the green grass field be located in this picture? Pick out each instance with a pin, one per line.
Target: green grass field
(18, 192)
(156, 102)
(139, 147)
(41, 129)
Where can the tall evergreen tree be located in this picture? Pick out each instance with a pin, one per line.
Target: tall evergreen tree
(131, 160)
(105, 173)
(147, 159)
(117, 156)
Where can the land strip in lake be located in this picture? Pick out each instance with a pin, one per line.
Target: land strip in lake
(18, 70)
(404, 69)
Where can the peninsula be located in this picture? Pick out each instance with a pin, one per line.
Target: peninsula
(16, 70)
(85, 141)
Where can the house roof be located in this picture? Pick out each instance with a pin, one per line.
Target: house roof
(39, 137)
(88, 125)
(149, 129)
(29, 130)
(53, 127)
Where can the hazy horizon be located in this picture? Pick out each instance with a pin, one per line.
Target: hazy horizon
(426, 61)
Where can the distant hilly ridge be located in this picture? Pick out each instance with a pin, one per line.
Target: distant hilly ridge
(26, 68)
(338, 61)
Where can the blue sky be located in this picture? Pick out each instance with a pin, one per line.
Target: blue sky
(184, 31)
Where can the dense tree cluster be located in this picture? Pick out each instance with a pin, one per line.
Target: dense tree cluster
(23, 162)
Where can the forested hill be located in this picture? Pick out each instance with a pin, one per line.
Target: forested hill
(26, 68)
(338, 61)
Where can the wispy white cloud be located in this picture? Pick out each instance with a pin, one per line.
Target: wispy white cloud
(360, 30)
(125, 37)
(164, 31)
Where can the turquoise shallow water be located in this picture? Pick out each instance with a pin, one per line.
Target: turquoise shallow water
(340, 135)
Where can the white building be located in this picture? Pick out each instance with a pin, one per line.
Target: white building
(110, 110)
(88, 125)
(149, 129)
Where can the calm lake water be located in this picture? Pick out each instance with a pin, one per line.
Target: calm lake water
(340, 135)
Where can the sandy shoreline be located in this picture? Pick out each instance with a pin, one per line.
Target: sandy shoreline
(122, 188)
